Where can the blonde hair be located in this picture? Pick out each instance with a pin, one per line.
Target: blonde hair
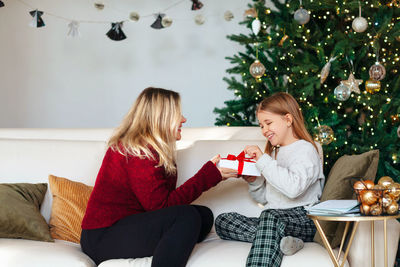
(151, 121)
(283, 103)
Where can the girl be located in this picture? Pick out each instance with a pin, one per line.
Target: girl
(135, 210)
(291, 178)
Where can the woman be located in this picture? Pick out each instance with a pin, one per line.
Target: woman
(135, 209)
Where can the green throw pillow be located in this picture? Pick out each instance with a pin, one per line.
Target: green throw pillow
(339, 185)
(20, 212)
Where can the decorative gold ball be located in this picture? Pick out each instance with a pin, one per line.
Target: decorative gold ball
(372, 86)
(370, 184)
(359, 185)
(368, 197)
(377, 72)
(385, 181)
(394, 190)
(325, 135)
(386, 200)
(376, 209)
(378, 186)
(257, 69)
(393, 208)
(365, 209)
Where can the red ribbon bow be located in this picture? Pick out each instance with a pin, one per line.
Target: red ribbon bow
(241, 158)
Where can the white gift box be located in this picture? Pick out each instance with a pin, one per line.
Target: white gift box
(249, 166)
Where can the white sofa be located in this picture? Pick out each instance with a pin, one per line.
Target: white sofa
(30, 155)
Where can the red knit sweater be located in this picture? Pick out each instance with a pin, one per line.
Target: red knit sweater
(130, 185)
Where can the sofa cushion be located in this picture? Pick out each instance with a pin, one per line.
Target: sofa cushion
(21, 253)
(69, 205)
(20, 211)
(344, 172)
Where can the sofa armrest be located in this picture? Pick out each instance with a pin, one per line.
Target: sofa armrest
(360, 251)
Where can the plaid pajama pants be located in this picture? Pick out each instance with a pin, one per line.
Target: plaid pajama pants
(266, 232)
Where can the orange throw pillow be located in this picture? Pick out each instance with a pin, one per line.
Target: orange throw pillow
(69, 205)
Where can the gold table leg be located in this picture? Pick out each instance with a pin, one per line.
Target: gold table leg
(372, 245)
(328, 246)
(385, 237)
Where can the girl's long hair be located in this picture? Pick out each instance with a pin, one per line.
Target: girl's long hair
(283, 103)
(152, 121)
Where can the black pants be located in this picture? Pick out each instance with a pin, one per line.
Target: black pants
(168, 235)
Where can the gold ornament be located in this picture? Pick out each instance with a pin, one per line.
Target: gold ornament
(359, 185)
(372, 86)
(99, 5)
(252, 12)
(352, 83)
(370, 184)
(376, 209)
(368, 197)
(386, 200)
(385, 181)
(257, 69)
(393, 208)
(324, 135)
(134, 16)
(284, 38)
(377, 72)
(394, 190)
(228, 15)
(394, 118)
(395, 3)
(365, 209)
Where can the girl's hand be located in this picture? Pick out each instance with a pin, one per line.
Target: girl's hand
(249, 179)
(253, 151)
(216, 159)
(228, 173)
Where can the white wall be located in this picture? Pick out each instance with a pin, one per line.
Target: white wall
(50, 80)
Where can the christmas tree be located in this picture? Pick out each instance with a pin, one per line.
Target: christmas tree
(339, 59)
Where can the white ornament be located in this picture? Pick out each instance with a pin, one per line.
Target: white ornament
(256, 26)
(134, 16)
(166, 22)
(302, 16)
(73, 29)
(199, 19)
(360, 24)
(228, 15)
(342, 92)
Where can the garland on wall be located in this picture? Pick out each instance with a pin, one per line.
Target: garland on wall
(115, 33)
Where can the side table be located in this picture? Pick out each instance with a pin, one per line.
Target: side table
(348, 218)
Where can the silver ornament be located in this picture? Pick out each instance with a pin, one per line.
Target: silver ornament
(199, 19)
(166, 22)
(342, 92)
(228, 15)
(377, 72)
(302, 16)
(256, 26)
(134, 16)
(360, 24)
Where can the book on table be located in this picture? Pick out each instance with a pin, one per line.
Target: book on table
(335, 207)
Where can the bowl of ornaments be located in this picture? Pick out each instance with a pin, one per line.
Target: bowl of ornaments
(378, 199)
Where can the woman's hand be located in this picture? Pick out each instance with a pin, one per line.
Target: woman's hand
(216, 159)
(253, 151)
(249, 179)
(228, 173)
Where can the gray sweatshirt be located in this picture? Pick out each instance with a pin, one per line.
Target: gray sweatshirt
(294, 179)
